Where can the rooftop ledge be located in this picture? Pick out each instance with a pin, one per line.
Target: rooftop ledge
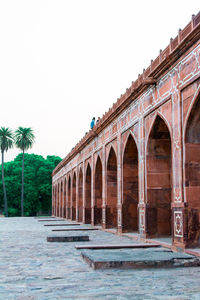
(177, 46)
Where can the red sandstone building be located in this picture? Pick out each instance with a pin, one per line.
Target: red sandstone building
(138, 169)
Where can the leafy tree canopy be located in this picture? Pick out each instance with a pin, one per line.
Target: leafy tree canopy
(37, 184)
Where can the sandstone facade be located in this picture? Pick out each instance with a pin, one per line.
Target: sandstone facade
(138, 169)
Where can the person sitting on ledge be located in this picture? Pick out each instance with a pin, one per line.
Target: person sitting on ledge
(92, 123)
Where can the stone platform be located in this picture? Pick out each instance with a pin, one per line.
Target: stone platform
(138, 258)
(115, 246)
(69, 238)
(76, 229)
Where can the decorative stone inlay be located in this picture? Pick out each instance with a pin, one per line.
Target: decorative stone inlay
(178, 224)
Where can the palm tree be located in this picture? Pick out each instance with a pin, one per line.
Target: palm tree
(24, 139)
(6, 142)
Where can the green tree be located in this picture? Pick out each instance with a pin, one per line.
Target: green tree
(24, 139)
(6, 142)
(37, 184)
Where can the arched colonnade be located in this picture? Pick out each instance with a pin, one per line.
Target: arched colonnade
(98, 192)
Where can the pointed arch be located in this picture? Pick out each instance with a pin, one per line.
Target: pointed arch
(159, 177)
(98, 192)
(192, 173)
(161, 116)
(74, 197)
(69, 198)
(80, 196)
(88, 179)
(130, 186)
(111, 199)
(126, 140)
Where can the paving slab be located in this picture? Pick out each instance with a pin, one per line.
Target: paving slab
(134, 258)
(69, 238)
(118, 246)
(76, 229)
(31, 268)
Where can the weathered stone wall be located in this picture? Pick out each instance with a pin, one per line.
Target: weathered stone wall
(139, 168)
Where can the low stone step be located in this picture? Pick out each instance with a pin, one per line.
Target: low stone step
(66, 239)
(117, 246)
(61, 224)
(76, 229)
(138, 258)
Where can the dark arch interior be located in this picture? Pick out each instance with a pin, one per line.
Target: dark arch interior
(74, 198)
(192, 174)
(80, 196)
(65, 195)
(69, 199)
(88, 195)
(98, 193)
(58, 200)
(111, 203)
(61, 200)
(159, 180)
(130, 187)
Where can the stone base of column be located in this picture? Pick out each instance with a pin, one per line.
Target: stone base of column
(186, 226)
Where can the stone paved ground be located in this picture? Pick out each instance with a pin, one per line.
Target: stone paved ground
(31, 268)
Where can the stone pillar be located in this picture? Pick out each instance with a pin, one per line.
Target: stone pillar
(67, 196)
(84, 192)
(104, 187)
(142, 208)
(119, 184)
(92, 190)
(179, 209)
(77, 181)
(71, 191)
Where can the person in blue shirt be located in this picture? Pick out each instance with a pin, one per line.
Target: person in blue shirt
(92, 123)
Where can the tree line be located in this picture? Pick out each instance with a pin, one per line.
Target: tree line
(28, 176)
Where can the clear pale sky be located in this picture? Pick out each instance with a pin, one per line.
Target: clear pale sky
(64, 61)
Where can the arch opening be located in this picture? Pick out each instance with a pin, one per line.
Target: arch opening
(98, 193)
(111, 203)
(130, 187)
(58, 200)
(61, 200)
(192, 174)
(65, 195)
(80, 197)
(74, 198)
(159, 180)
(88, 195)
(69, 199)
